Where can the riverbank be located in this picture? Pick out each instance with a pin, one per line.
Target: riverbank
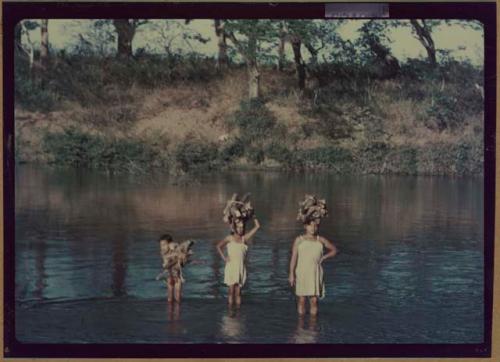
(406, 125)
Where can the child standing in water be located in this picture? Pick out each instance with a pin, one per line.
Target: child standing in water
(174, 256)
(235, 271)
(306, 272)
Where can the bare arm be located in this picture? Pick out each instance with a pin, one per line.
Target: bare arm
(293, 263)
(252, 232)
(219, 246)
(332, 250)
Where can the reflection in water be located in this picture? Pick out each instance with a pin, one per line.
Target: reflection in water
(119, 266)
(232, 324)
(174, 324)
(411, 249)
(40, 251)
(306, 334)
(216, 270)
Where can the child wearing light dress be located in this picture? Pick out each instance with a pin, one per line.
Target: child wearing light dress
(306, 272)
(236, 248)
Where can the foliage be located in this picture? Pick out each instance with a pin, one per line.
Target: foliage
(281, 153)
(91, 80)
(234, 149)
(334, 158)
(255, 154)
(195, 153)
(73, 147)
(253, 120)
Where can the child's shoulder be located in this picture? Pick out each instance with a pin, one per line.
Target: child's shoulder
(298, 239)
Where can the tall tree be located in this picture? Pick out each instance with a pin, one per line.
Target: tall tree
(300, 66)
(313, 36)
(27, 47)
(94, 37)
(246, 36)
(374, 38)
(18, 34)
(281, 47)
(173, 35)
(44, 43)
(126, 29)
(222, 59)
(423, 32)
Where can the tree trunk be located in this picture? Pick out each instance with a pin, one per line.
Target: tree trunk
(281, 52)
(222, 59)
(253, 81)
(253, 71)
(299, 64)
(424, 35)
(431, 54)
(18, 32)
(126, 32)
(44, 44)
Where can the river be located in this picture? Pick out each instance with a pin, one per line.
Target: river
(409, 268)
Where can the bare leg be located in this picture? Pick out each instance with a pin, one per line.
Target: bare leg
(313, 305)
(301, 305)
(170, 289)
(230, 295)
(178, 290)
(312, 322)
(176, 311)
(237, 294)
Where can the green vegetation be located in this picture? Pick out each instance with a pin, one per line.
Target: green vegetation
(73, 147)
(367, 112)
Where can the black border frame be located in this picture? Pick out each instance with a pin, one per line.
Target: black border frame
(14, 12)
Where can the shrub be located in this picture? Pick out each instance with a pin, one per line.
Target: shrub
(73, 147)
(88, 79)
(441, 158)
(402, 160)
(232, 150)
(193, 153)
(254, 121)
(335, 158)
(255, 154)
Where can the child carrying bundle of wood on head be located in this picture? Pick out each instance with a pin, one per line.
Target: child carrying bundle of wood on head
(236, 213)
(306, 272)
(175, 256)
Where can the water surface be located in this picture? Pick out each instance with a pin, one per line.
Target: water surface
(409, 269)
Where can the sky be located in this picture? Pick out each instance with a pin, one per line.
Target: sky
(464, 43)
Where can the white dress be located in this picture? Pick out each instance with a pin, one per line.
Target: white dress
(235, 271)
(309, 273)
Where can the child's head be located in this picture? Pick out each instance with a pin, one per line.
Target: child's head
(312, 226)
(238, 227)
(165, 239)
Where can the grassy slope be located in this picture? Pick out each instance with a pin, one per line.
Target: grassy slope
(171, 115)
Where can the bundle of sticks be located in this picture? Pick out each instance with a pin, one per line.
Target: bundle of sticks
(238, 209)
(174, 258)
(312, 209)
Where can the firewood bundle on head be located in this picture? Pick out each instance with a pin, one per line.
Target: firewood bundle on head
(238, 209)
(312, 209)
(175, 257)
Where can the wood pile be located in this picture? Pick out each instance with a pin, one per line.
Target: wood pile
(175, 257)
(238, 209)
(311, 209)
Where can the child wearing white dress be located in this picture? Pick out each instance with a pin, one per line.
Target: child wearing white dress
(306, 272)
(235, 273)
